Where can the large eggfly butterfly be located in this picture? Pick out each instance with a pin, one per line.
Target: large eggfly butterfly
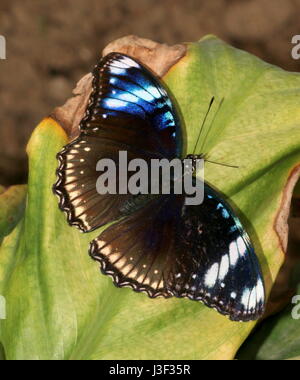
(158, 245)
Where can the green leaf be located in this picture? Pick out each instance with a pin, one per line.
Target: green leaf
(278, 338)
(60, 307)
(2, 354)
(12, 205)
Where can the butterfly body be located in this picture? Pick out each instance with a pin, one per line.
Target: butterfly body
(156, 243)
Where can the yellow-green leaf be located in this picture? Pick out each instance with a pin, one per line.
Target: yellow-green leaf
(12, 205)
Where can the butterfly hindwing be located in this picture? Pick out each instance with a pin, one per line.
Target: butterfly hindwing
(129, 110)
(138, 250)
(225, 273)
(199, 252)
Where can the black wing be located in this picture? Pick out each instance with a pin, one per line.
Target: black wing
(199, 252)
(129, 110)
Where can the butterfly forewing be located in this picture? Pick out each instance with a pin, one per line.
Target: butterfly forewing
(129, 110)
(128, 95)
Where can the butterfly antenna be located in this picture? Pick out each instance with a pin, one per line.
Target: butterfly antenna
(212, 122)
(219, 163)
(203, 123)
(206, 136)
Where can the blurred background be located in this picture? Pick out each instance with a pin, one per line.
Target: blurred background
(51, 45)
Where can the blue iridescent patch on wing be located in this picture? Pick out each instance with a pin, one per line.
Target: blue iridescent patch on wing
(127, 88)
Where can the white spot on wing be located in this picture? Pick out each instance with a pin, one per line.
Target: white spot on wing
(114, 103)
(144, 95)
(224, 267)
(212, 275)
(241, 246)
(260, 292)
(72, 179)
(73, 196)
(233, 253)
(116, 70)
(120, 64)
(129, 62)
(245, 298)
(252, 301)
(132, 273)
(147, 281)
(127, 97)
(154, 91)
(70, 187)
(120, 263)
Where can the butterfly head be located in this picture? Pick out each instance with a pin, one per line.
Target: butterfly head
(195, 158)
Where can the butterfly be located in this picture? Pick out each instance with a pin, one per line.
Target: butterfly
(157, 245)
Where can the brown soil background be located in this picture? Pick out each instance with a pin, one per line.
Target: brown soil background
(51, 45)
